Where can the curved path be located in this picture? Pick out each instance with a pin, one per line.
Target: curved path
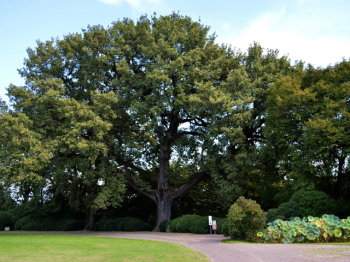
(217, 251)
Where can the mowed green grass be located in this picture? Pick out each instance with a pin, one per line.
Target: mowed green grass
(80, 248)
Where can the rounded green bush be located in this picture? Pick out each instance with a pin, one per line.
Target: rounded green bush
(194, 224)
(220, 222)
(174, 223)
(224, 229)
(245, 219)
(5, 220)
(135, 224)
(273, 214)
(303, 204)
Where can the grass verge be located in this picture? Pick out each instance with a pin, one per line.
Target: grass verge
(80, 248)
(234, 241)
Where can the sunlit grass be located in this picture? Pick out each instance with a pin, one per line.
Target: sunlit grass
(81, 248)
(235, 241)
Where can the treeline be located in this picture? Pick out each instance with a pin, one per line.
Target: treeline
(153, 119)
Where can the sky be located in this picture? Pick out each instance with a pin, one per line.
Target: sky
(314, 31)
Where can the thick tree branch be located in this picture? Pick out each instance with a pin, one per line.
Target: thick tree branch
(199, 177)
(131, 182)
(138, 169)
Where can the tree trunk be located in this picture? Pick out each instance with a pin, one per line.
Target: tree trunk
(339, 182)
(89, 222)
(164, 202)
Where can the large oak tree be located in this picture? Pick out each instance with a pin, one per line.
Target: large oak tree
(156, 101)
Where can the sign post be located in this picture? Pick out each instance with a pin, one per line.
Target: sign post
(214, 226)
(210, 222)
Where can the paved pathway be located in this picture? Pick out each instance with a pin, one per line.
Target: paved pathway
(217, 251)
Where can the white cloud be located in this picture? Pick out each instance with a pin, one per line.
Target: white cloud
(133, 3)
(270, 32)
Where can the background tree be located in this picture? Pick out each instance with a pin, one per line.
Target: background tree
(60, 146)
(308, 119)
(246, 164)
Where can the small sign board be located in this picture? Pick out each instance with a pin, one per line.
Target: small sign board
(214, 224)
(210, 220)
(7, 229)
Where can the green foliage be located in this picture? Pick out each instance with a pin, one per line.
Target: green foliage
(329, 228)
(175, 225)
(220, 224)
(195, 224)
(245, 219)
(343, 208)
(136, 224)
(224, 229)
(307, 122)
(5, 220)
(31, 222)
(163, 225)
(304, 203)
(122, 224)
(273, 214)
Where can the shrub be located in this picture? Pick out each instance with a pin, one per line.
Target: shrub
(135, 224)
(173, 224)
(72, 225)
(343, 208)
(194, 224)
(163, 225)
(122, 224)
(5, 220)
(303, 204)
(48, 224)
(245, 219)
(22, 223)
(273, 214)
(224, 229)
(220, 222)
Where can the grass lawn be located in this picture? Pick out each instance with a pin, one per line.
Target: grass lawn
(234, 241)
(80, 248)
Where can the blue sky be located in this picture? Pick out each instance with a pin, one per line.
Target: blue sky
(315, 31)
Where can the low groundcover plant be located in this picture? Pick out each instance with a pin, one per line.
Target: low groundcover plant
(329, 228)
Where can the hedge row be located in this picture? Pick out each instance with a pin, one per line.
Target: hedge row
(191, 224)
(122, 224)
(5, 220)
(48, 224)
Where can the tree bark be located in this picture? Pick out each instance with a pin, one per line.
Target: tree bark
(164, 203)
(339, 182)
(89, 222)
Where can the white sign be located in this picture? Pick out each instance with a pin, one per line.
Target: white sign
(210, 220)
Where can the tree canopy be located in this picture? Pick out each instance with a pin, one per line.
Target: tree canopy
(308, 120)
(157, 104)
